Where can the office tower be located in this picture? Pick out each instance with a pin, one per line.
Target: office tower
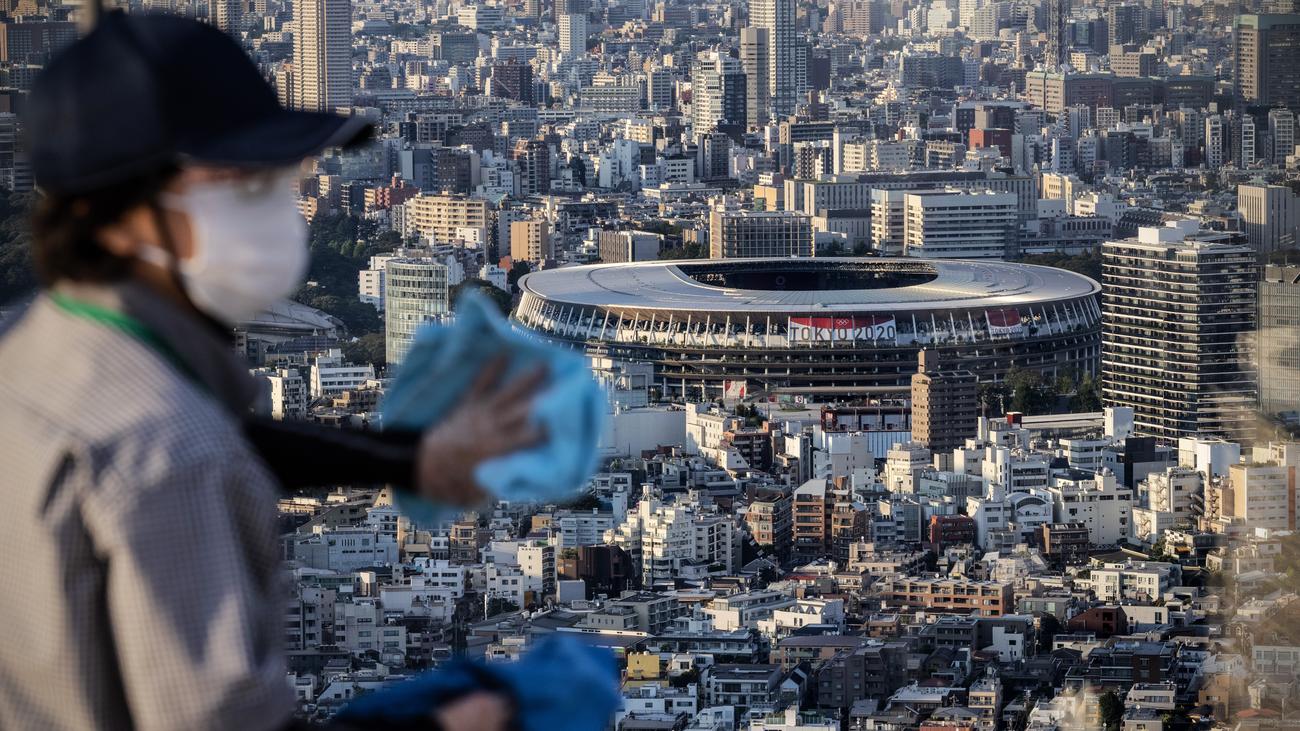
(534, 159)
(945, 403)
(1281, 128)
(573, 34)
(864, 18)
(1279, 340)
(1215, 156)
(34, 42)
(1267, 57)
(955, 224)
(737, 234)
(661, 91)
(1127, 24)
(322, 55)
(788, 66)
(1178, 320)
(571, 7)
(713, 156)
(530, 241)
(416, 292)
(756, 61)
(717, 92)
(455, 45)
(514, 80)
(1270, 215)
(228, 15)
(1057, 10)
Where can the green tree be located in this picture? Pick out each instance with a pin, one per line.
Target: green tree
(368, 348)
(492, 292)
(685, 251)
(993, 398)
(517, 271)
(1112, 710)
(1087, 395)
(17, 274)
(1030, 394)
(1087, 264)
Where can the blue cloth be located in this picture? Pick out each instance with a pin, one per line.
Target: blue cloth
(442, 365)
(561, 685)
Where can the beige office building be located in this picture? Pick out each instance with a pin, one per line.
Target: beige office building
(530, 241)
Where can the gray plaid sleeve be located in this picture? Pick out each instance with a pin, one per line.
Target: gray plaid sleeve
(193, 603)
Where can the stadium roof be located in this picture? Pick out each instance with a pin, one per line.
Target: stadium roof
(951, 284)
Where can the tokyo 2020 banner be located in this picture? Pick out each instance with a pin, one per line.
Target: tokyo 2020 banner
(874, 328)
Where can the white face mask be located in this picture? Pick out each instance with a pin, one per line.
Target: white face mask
(250, 246)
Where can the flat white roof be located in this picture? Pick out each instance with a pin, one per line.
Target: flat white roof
(661, 285)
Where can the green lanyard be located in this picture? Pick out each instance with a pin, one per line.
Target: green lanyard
(125, 324)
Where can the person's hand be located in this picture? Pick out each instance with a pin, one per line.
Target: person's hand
(492, 420)
(481, 711)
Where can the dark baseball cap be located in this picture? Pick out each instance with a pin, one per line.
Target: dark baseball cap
(140, 93)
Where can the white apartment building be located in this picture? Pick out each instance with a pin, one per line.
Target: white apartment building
(1094, 499)
(370, 281)
(331, 374)
(1177, 491)
(1263, 496)
(664, 539)
(1134, 580)
(288, 392)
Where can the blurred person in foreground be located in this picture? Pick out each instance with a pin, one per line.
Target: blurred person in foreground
(143, 585)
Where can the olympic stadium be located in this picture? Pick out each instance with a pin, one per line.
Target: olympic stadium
(828, 328)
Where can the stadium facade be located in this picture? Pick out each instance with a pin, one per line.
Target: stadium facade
(820, 327)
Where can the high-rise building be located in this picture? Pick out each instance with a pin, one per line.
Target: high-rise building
(1178, 321)
(416, 292)
(1279, 340)
(1270, 215)
(534, 159)
(34, 42)
(1281, 128)
(530, 240)
(228, 15)
(514, 81)
(322, 55)
(661, 92)
(945, 404)
(717, 92)
(756, 61)
(1127, 24)
(572, 29)
(1267, 57)
(788, 67)
(1057, 11)
(737, 234)
(1215, 142)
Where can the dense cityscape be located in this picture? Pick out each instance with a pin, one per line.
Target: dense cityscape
(950, 348)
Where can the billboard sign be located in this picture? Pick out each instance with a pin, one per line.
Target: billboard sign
(1004, 323)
